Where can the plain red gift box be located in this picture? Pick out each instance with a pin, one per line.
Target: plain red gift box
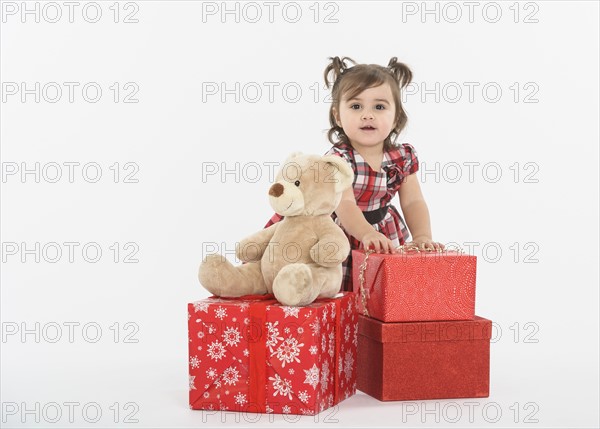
(416, 286)
(424, 360)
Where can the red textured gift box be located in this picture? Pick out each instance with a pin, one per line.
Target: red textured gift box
(416, 286)
(252, 354)
(424, 360)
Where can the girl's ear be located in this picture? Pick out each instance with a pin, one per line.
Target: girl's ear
(336, 115)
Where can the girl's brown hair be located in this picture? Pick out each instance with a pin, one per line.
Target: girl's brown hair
(351, 81)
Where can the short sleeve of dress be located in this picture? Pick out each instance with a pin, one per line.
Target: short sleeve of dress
(410, 160)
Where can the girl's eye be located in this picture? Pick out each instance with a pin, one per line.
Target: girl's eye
(355, 106)
(297, 183)
(380, 107)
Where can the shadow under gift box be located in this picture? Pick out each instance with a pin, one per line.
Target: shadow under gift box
(416, 286)
(424, 360)
(251, 354)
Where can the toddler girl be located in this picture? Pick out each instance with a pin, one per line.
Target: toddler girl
(366, 116)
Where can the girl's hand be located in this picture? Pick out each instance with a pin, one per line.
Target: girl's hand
(425, 243)
(378, 241)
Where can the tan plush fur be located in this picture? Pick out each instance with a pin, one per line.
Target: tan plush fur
(299, 258)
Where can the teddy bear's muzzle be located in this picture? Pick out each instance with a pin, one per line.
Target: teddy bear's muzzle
(276, 190)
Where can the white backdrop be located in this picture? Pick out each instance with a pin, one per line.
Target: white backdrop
(137, 136)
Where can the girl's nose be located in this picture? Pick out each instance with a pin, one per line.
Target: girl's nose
(367, 114)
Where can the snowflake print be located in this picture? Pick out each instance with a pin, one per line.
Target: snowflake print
(312, 376)
(332, 311)
(211, 329)
(348, 364)
(244, 306)
(349, 308)
(231, 336)
(273, 335)
(192, 387)
(231, 376)
(200, 334)
(323, 343)
(325, 315)
(315, 327)
(304, 396)
(306, 412)
(347, 333)
(199, 348)
(330, 400)
(194, 362)
(313, 350)
(355, 336)
(216, 350)
(211, 373)
(308, 314)
(222, 407)
(220, 313)
(246, 320)
(268, 409)
(290, 311)
(288, 351)
(286, 409)
(246, 352)
(281, 386)
(240, 398)
(300, 330)
(291, 371)
(331, 344)
(322, 406)
(325, 376)
(340, 365)
(286, 330)
(205, 395)
(201, 306)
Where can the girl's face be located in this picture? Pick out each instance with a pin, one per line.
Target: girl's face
(368, 118)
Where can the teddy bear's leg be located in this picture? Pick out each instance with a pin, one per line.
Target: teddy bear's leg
(221, 278)
(293, 285)
(327, 280)
(301, 284)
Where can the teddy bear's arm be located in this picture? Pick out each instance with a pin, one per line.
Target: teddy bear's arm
(332, 248)
(251, 248)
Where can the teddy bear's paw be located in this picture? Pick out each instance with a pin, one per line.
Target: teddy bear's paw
(293, 285)
(210, 273)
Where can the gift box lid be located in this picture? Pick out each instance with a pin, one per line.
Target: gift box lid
(431, 331)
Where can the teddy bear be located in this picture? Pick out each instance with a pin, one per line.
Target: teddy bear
(298, 259)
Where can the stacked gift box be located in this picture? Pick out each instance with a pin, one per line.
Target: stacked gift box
(252, 354)
(419, 337)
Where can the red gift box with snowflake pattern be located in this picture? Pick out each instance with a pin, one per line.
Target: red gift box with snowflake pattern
(415, 286)
(252, 354)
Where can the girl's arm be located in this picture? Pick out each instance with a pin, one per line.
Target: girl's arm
(416, 214)
(356, 225)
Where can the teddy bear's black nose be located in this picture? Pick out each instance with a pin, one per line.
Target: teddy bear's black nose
(276, 190)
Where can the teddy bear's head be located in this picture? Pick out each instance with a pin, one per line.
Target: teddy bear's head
(310, 185)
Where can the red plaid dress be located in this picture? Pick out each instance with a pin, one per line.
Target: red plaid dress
(372, 191)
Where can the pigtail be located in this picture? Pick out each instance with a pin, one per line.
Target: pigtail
(338, 67)
(400, 71)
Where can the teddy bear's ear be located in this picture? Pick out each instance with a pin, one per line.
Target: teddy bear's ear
(292, 156)
(343, 175)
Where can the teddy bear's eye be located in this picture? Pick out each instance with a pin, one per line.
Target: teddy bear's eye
(297, 183)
